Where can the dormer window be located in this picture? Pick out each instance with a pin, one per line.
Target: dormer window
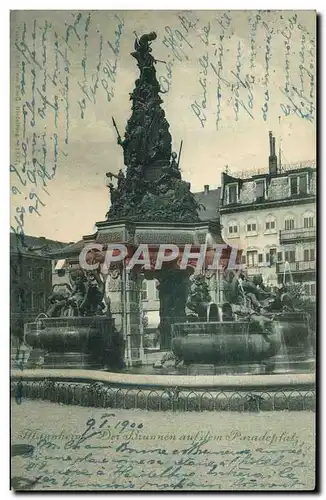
(298, 184)
(260, 189)
(231, 193)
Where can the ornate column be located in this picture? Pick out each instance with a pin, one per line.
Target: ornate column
(133, 325)
(123, 295)
(114, 296)
(173, 291)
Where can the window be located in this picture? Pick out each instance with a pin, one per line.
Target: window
(144, 293)
(289, 256)
(303, 185)
(29, 273)
(36, 302)
(21, 299)
(28, 301)
(298, 184)
(243, 259)
(157, 291)
(251, 227)
(293, 185)
(308, 221)
(289, 224)
(279, 257)
(232, 193)
(252, 258)
(309, 255)
(42, 273)
(270, 224)
(260, 189)
(260, 258)
(39, 302)
(272, 256)
(233, 229)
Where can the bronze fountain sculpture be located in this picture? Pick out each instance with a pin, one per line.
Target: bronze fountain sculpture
(78, 330)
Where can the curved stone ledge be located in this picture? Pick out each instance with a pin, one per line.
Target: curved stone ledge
(236, 382)
(108, 390)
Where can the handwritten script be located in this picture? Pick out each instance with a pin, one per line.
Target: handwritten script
(61, 69)
(127, 450)
(270, 66)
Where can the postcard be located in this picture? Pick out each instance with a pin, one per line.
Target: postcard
(163, 250)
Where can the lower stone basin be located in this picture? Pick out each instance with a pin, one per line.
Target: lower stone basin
(295, 328)
(227, 342)
(77, 342)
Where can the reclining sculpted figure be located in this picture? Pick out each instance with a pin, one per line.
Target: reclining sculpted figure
(84, 298)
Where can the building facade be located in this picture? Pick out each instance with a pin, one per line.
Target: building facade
(31, 278)
(272, 218)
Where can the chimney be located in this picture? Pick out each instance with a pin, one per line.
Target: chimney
(272, 160)
(206, 188)
(270, 143)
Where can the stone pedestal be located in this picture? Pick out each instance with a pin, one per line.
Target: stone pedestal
(123, 294)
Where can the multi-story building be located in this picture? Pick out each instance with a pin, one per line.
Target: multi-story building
(271, 216)
(31, 278)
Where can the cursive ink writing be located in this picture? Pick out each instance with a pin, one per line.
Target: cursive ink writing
(198, 108)
(268, 34)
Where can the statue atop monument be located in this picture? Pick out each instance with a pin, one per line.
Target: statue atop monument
(150, 188)
(143, 50)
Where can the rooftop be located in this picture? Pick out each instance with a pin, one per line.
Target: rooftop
(210, 201)
(34, 245)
